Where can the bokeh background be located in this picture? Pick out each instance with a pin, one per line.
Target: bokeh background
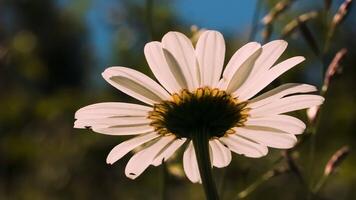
(52, 53)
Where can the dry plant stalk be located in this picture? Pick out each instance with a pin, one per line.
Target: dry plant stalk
(333, 68)
(295, 23)
(265, 177)
(342, 12)
(267, 32)
(312, 114)
(339, 16)
(196, 32)
(336, 160)
(278, 9)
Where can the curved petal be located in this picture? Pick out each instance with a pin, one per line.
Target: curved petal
(220, 154)
(180, 51)
(242, 73)
(114, 118)
(123, 148)
(210, 52)
(270, 76)
(171, 78)
(110, 122)
(279, 92)
(287, 104)
(243, 146)
(112, 109)
(240, 66)
(168, 151)
(270, 54)
(135, 84)
(268, 136)
(134, 129)
(141, 160)
(190, 164)
(239, 57)
(284, 123)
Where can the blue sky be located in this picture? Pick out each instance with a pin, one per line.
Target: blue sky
(229, 16)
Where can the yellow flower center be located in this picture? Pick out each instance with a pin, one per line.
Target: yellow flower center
(207, 110)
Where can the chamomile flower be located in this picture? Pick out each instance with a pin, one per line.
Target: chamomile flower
(195, 98)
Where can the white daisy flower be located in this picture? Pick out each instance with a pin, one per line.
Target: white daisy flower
(196, 100)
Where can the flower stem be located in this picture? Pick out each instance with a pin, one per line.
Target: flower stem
(201, 146)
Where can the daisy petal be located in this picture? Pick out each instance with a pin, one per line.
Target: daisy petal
(240, 75)
(190, 164)
(288, 104)
(123, 148)
(180, 51)
(238, 60)
(279, 92)
(135, 84)
(124, 129)
(210, 52)
(270, 76)
(239, 57)
(111, 109)
(110, 122)
(168, 151)
(172, 79)
(268, 136)
(141, 160)
(244, 146)
(284, 123)
(220, 154)
(270, 54)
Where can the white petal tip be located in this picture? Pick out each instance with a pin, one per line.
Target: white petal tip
(319, 102)
(170, 34)
(289, 145)
(282, 42)
(108, 72)
(151, 45)
(105, 74)
(131, 176)
(79, 125)
(212, 32)
(301, 58)
(322, 99)
(109, 161)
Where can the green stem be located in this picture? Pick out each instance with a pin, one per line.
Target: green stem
(265, 177)
(294, 168)
(201, 146)
(320, 184)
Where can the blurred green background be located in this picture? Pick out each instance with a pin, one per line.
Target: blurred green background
(52, 53)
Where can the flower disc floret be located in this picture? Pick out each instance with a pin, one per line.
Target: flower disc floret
(212, 111)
